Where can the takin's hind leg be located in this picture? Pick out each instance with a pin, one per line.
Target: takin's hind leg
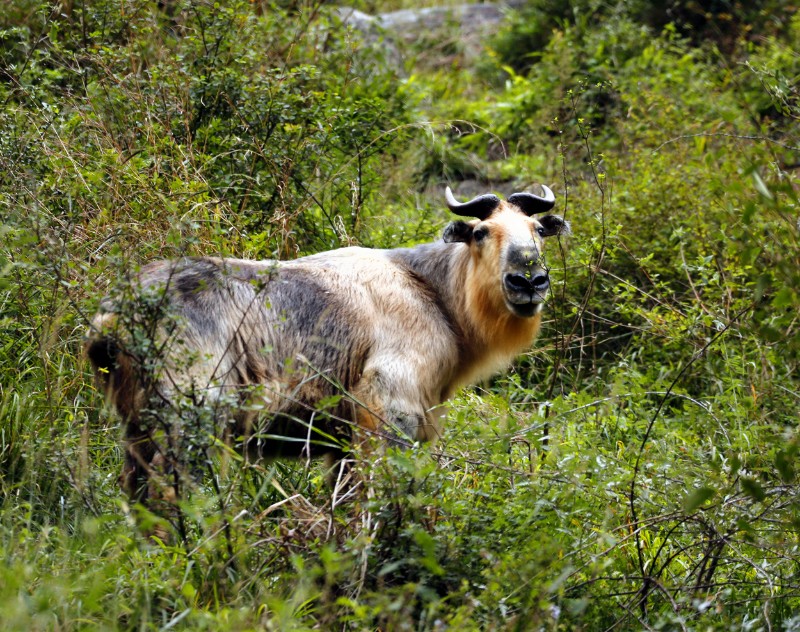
(148, 479)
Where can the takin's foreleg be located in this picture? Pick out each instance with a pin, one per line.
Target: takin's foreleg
(148, 474)
(387, 405)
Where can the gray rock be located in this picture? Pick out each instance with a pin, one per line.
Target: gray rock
(360, 21)
(469, 20)
(372, 34)
(467, 24)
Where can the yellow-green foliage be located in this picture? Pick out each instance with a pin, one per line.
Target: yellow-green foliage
(636, 470)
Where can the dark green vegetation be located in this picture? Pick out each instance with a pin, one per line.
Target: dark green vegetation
(637, 469)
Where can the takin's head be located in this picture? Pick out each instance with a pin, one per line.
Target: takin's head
(506, 244)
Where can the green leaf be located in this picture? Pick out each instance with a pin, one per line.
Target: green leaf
(784, 298)
(753, 488)
(784, 463)
(760, 186)
(762, 283)
(697, 498)
(749, 212)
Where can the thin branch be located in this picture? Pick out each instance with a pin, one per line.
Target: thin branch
(727, 135)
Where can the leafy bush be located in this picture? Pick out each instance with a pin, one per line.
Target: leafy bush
(637, 469)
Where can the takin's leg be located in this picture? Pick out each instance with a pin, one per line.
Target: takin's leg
(382, 411)
(387, 407)
(375, 413)
(147, 479)
(139, 453)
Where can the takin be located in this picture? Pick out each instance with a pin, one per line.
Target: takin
(300, 358)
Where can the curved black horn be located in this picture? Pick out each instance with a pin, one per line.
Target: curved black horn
(480, 207)
(531, 204)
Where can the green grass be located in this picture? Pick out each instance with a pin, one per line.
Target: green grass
(636, 469)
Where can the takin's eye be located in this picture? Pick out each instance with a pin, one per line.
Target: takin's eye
(479, 234)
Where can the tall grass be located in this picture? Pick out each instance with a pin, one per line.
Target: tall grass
(635, 470)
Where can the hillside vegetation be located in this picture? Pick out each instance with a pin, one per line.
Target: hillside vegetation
(637, 469)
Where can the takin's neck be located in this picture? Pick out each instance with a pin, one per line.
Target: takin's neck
(490, 336)
(498, 335)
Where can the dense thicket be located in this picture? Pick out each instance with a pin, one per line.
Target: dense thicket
(637, 469)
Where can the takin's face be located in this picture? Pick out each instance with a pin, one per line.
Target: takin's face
(506, 250)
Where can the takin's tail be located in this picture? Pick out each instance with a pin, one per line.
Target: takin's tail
(118, 374)
(114, 370)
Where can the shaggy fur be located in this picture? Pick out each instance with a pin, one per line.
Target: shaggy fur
(292, 356)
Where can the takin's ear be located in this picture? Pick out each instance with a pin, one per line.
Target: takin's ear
(457, 232)
(554, 225)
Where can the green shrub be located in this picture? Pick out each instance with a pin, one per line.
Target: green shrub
(637, 469)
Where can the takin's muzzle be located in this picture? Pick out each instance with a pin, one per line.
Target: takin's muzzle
(525, 292)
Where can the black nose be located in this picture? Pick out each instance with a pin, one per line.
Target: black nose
(520, 283)
(540, 281)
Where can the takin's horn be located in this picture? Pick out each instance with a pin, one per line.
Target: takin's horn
(480, 207)
(531, 204)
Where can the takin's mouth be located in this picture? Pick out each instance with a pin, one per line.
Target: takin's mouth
(525, 308)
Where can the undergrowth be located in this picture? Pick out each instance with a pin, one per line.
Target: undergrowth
(636, 470)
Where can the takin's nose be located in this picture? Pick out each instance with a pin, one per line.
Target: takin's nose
(519, 283)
